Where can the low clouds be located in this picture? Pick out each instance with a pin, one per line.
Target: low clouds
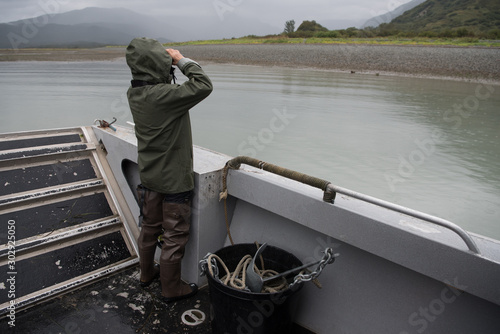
(269, 12)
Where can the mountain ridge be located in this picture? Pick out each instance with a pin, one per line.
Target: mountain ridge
(92, 26)
(442, 15)
(117, 26)
(389, 16)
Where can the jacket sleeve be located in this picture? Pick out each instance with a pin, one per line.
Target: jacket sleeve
(178, 99)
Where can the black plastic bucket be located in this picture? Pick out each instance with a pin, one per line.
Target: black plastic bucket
(236, 311)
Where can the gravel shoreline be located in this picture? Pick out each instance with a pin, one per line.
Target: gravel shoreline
(459, 63)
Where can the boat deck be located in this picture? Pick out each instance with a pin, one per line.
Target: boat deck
(118, 304)
(115, 304)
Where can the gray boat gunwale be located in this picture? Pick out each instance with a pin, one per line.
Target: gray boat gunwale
(379, 230)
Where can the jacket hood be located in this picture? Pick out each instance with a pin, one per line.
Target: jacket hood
(148, 61)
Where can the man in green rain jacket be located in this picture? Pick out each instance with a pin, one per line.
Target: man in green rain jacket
(161, 114)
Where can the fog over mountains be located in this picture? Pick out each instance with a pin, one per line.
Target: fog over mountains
(388, 17)
(91, 27)
(117, 26)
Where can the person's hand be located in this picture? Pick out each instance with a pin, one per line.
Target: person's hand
(175, 54)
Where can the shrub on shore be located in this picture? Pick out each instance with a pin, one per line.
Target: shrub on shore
(386, 31)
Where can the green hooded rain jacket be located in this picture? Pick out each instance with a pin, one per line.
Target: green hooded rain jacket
(161, 115)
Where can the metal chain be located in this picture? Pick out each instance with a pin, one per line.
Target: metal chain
(328, 258)
(204, 266)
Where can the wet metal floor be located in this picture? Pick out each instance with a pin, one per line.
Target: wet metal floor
(116, 304)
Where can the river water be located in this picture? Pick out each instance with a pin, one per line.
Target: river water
(428, 144)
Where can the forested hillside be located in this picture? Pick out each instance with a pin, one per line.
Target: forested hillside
(467, 16)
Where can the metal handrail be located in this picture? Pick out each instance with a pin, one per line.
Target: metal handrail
(410, 212)
(331, 190)
(315, 182)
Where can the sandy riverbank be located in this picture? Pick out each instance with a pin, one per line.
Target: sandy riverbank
(462, 63)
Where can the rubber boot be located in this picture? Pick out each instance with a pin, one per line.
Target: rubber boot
(149, 270)
(176, 224)
(172, 287)
(151, 228)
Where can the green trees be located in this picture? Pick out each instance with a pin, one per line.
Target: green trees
(311, 26)
(289, 27)
(305, 30)
(308, 29)
(477, 17)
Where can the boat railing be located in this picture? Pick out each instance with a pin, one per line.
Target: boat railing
(330, 191)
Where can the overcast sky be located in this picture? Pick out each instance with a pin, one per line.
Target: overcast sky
(267, 11)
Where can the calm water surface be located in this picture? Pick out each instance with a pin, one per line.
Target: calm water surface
(431, 145)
